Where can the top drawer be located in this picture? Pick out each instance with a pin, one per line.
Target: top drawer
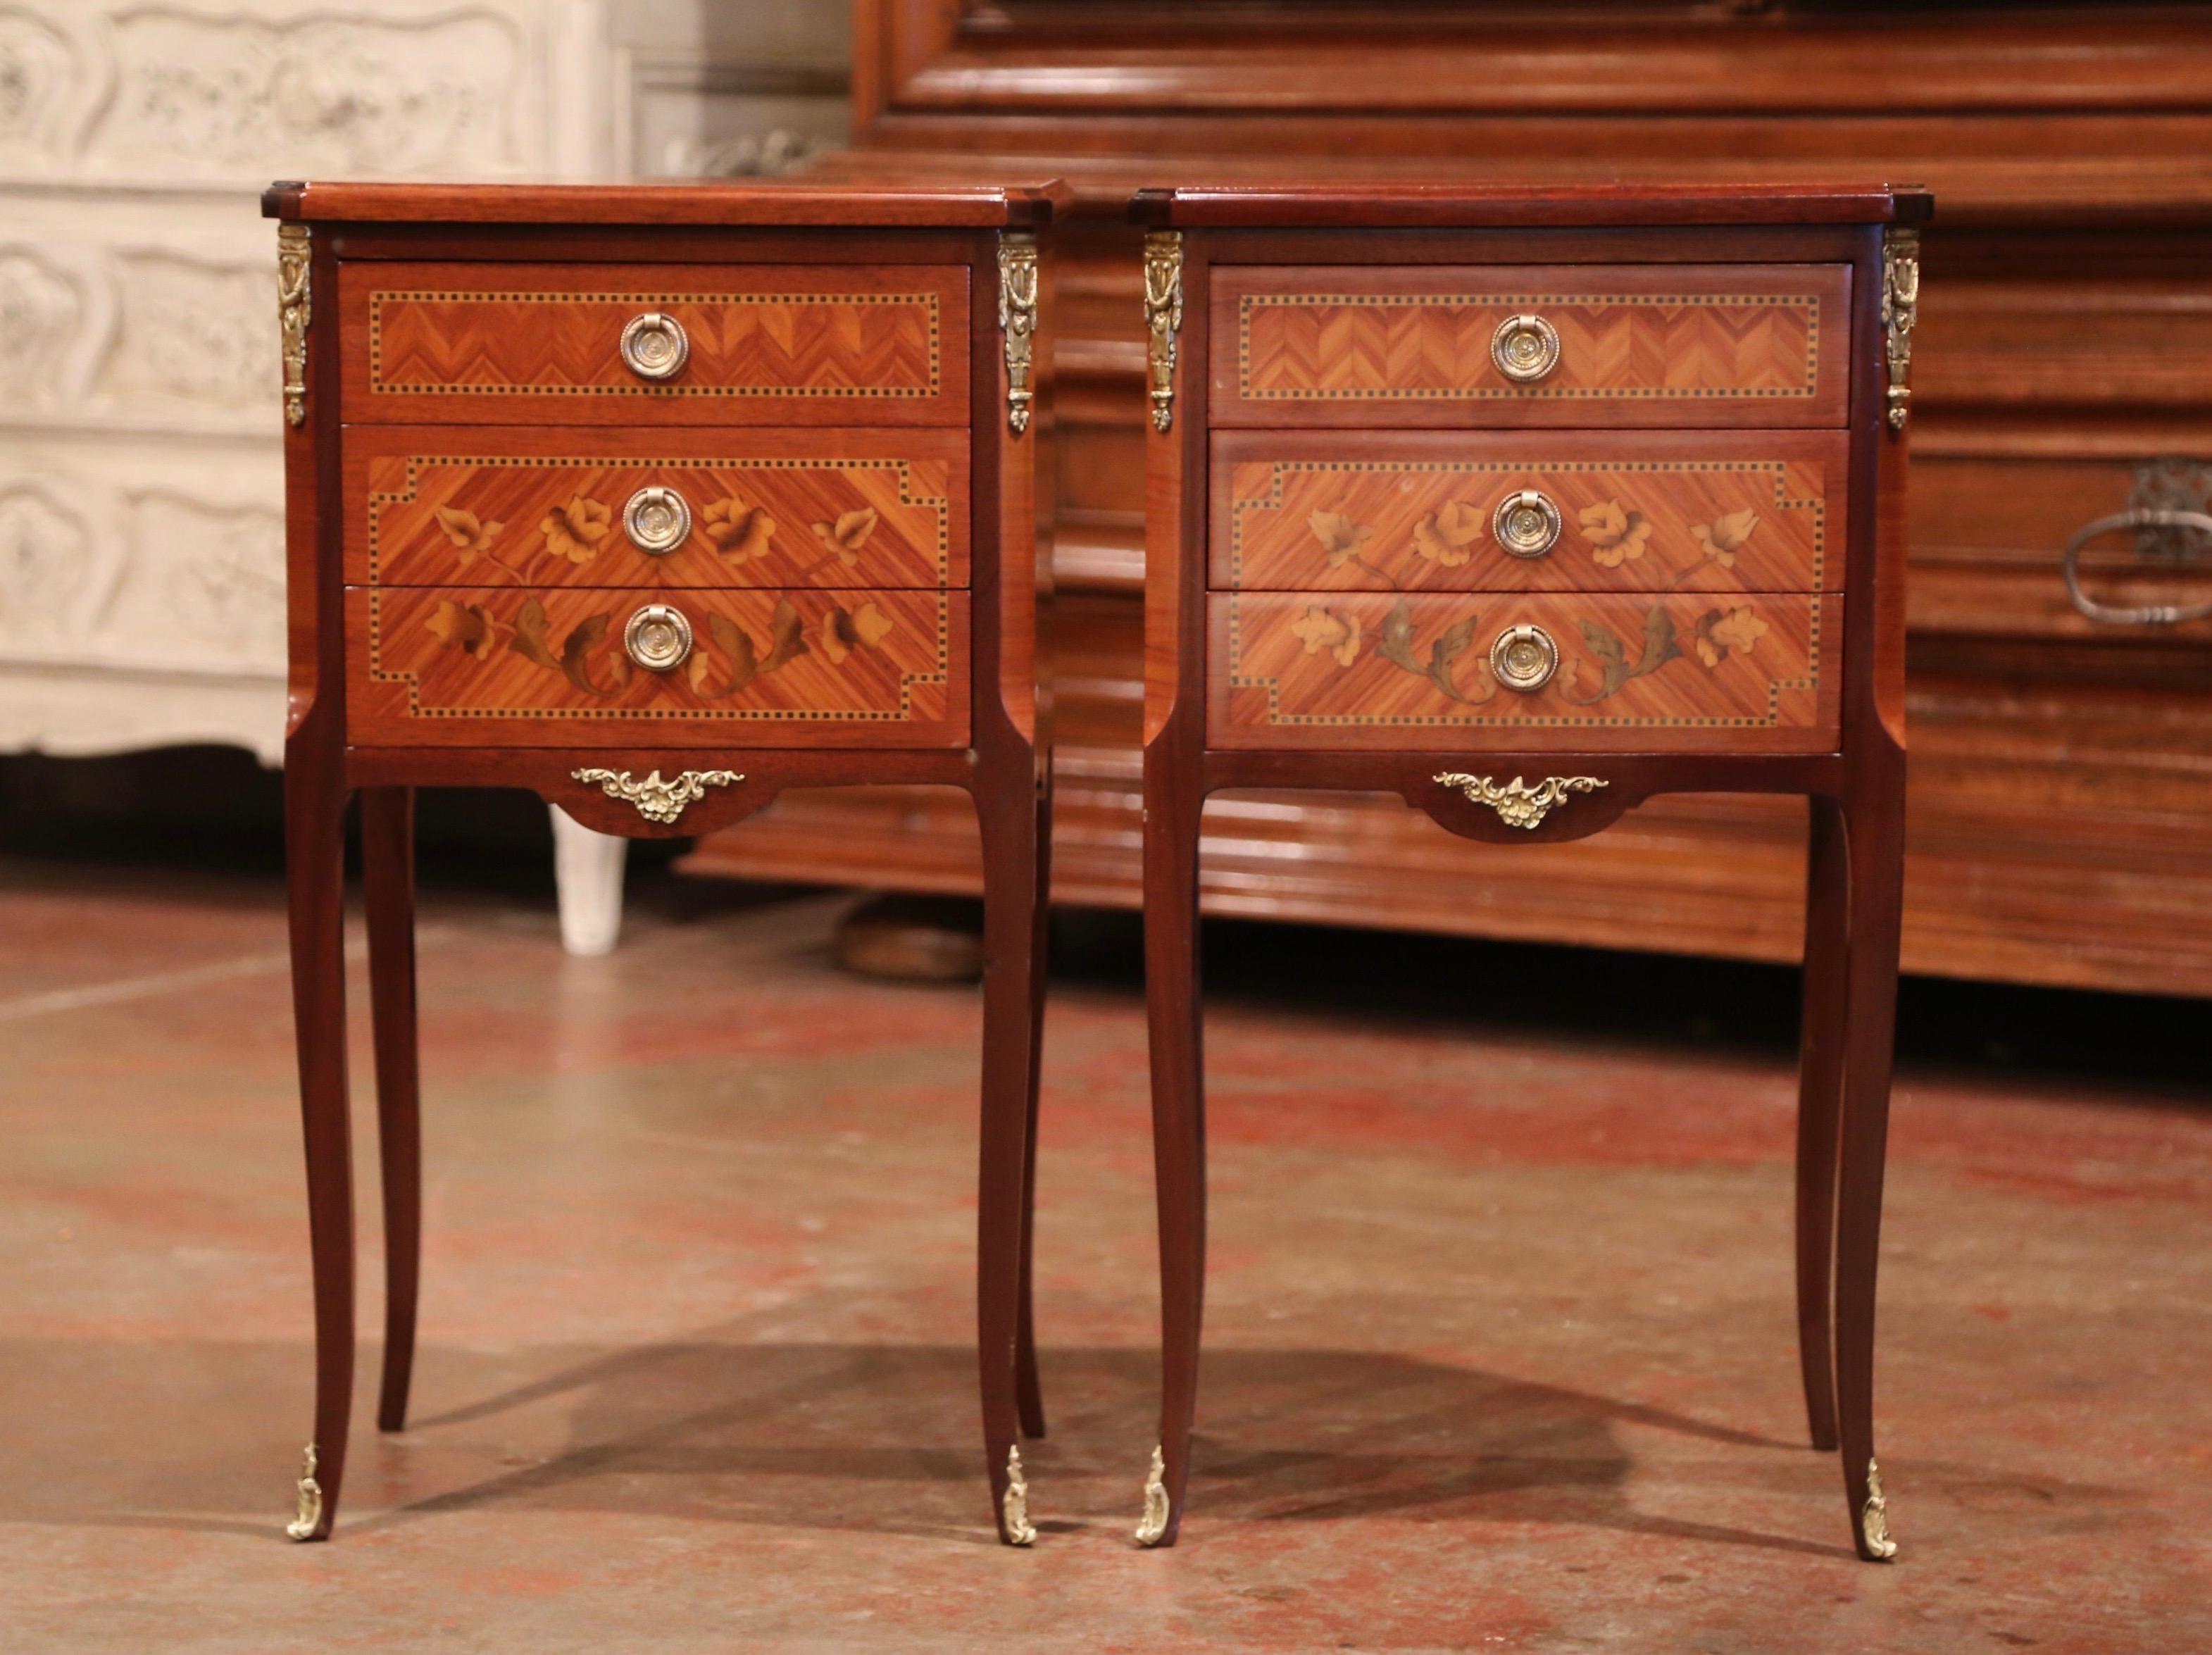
(666, 344)
(1531, 345)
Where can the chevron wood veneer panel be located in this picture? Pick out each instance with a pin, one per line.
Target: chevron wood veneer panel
(1414, 511)
(1692, 671)
(770, 343)
(1666, 344)
(437, 506)
(475, 666)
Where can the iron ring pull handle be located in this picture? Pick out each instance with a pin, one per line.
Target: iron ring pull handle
(2145, 615)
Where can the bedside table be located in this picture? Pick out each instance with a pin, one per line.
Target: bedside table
(656, 501)
(1527, 506)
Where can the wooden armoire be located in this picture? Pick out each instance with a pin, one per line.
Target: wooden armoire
(2061, 791)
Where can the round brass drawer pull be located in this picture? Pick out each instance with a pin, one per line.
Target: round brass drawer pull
(1524, 658)
(658, 638)
(1525, 348)
(1526, 524)
(656, 521)
(654, 346)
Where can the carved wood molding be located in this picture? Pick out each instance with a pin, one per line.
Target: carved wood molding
(1421, 84)
(204, 92)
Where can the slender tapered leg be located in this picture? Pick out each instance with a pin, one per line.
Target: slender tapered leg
(314, 832)
(1819, 1087)
(387, 876)
(1029, 1392)
(1874, 832)
(1173, 808)
(1007, 807)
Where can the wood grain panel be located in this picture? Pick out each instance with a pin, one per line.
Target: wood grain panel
(478, 666)
(711, 203)
(2058, 783)
(1683, 344)
(1686, 673)
(771, 344)
(434, 505)
(1413, 511)
(1988, 533)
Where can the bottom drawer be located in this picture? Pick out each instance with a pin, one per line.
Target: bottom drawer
(505, 666)
(1684, 672)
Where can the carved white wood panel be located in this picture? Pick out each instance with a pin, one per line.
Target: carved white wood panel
(141, 598)
(169, 94)
(141, 489)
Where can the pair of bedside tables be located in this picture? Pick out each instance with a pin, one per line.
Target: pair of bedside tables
(1524, 505)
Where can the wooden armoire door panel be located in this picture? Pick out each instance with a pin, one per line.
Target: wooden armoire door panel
(2058, 759)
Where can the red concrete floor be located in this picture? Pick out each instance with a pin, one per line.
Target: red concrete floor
(1500, 1327)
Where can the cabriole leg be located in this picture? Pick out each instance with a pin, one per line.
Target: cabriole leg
(1173, 810)
(387, 856)
(1875, 836)
(1029, 1390)
(1006, 805)
(314, 833)
(1819, 1087)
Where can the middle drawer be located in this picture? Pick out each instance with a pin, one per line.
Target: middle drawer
(1518, 511)
(521, 506)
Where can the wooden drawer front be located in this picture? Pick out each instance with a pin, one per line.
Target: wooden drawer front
(1683, 672)
(771, 344)
(1670, 345)
(437, 506)
(1697, 511)
(479, 665)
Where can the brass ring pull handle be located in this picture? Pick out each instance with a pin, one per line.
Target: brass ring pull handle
(1523, 659)
(2144, 615)
(656, 521)
(654, 346)
(1525, 348)
(658, 638)
(1527, 524)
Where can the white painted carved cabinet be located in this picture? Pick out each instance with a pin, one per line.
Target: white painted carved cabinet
(141, 533)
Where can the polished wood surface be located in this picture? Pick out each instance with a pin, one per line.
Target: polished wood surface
(387, 900)
(525, 507)
(490, 665)
(1658, 512)
(1024, 203)
(2057, 761)
(1688, 344)
(770, 344)
(1743, 673)
(1669, 92)
(1629, 695)
(1453, 201)
(919, 667)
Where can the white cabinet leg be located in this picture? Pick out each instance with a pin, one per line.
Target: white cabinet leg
(587, 873)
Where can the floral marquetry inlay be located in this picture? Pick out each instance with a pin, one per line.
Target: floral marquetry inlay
(1314, 669)
(431, 520)
(1405, 525)
(438, 661)
(480, 631)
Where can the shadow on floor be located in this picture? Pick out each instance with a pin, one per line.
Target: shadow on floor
(839, 1437)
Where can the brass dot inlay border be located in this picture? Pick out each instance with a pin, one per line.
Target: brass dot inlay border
(688, 387)
(1248, 303)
